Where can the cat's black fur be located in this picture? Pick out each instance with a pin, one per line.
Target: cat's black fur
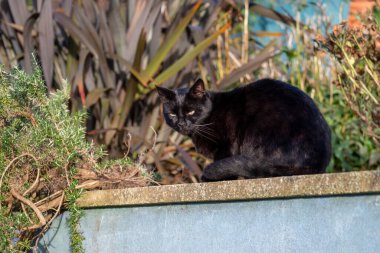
(267, 128)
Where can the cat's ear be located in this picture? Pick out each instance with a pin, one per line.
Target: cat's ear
(198, 88)
(165, 94)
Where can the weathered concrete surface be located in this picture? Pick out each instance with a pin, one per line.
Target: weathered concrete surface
(341, 214)
(349, 224)
(266, 188)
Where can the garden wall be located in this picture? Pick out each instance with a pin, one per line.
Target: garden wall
(313, 213)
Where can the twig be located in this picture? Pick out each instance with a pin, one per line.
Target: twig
(30, 204)
(102, 131)
(10, 164)
(245, 39)
(52, 204)
(48, 198)
(50, 221)
(155, 138)
(35, 183)
(10, 204)
(28, 115)
(128, 144)
(67, 174)
(26, 213)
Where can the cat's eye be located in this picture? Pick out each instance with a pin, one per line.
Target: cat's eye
(172, 115)
(191, 112)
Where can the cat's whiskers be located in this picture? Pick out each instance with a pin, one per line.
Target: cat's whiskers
(201, 125)
(196, 131)
(208, 131)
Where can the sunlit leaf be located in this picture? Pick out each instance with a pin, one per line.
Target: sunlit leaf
(128, 66)
(188, 57)
(268, 34)
(94, 95)
(169, 42)
(268, 52)
(121, 115)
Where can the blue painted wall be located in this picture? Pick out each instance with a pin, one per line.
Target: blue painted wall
(336, 11)
(332, 224)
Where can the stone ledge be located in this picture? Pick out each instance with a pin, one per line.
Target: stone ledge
(348, 183)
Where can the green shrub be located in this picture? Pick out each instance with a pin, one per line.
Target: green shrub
(44, 158)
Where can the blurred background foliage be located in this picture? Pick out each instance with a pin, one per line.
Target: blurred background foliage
(113, 52)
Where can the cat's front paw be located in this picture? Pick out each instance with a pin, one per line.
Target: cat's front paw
(205, 179)
(217, 171)
(209, 174)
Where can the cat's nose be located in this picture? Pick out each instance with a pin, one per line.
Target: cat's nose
(181, 124)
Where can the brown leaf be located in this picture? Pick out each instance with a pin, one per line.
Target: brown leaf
(94, 95)
(28, 44)
(46, 42)
(190, 163)
(141, 13)
(268, 52)
(19, 11)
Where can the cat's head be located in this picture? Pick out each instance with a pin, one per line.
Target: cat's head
(185, 108)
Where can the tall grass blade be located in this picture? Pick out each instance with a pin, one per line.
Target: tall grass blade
(75, 31)
(121, 115)
(19, 11)
(268, 52)
(94, 95)
(28, 43)
(142, 11)
(188, 57)
(46, 42)
(272, 14)
(168, 44)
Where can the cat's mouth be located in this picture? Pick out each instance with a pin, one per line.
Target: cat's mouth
(184, 131)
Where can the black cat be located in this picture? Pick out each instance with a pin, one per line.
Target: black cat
(267, 128)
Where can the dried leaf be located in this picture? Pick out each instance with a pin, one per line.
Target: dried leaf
(140, 15)
(19, 11)
(189, 162)
(75, 31)
(121, 115)
(28, 44)
(46, 42)
(268, 52)
(94, 95)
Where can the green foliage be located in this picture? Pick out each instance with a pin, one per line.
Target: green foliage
(315, 73)
(352, 150)
(112, 58)
(75, 214)
(40, 126)
(376, 15)
(357, 51)
(42, 149)
(112, 52)
(9, 231)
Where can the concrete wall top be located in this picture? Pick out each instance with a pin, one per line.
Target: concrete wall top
(334, 184)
